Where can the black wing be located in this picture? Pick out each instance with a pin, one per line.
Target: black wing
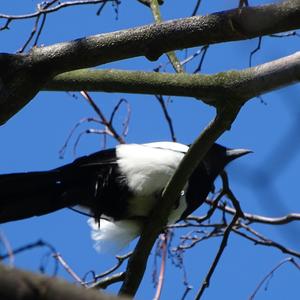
(96, 184)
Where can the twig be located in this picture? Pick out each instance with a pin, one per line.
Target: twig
(120, 260)
(42, 10)
(44, 16)
(206, 281)
(167, 116)
(238, 214)
(127, 118)
(164, 250)
(33, 31)
(59, 258)
(203, 50)
(104, 132)
(253, 218)
(188, 288)
(271, 273)
(196, 8)
(104, 283)
(65, 145)
(7, 247)
(106, 123)
(255, 50)
(39, 243)
(262, 240)
(154, 5)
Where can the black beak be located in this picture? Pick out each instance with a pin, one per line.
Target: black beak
(235, 153)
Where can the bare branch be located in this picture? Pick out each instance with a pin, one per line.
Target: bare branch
(271, 273)
(164, 251)
(105, 122)
(167, 116)
(59, 258)
(47, 10)
(229, 228)
(105, 282)
(252, 218)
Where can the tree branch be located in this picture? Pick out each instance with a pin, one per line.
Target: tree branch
(252, 218)
(20, 285)
(212, 89)
(22, 76)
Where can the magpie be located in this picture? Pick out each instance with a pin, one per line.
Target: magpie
(117, 187)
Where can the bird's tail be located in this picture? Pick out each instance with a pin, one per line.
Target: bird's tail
(111, 237)
(23, 195)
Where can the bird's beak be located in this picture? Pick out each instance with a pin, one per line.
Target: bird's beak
(235, 153)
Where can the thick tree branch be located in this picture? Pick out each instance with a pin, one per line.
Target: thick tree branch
(153, 40)
(22, 76)
(20, 285)
(245, 84)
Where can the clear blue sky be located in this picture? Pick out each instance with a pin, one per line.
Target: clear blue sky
(31, 141)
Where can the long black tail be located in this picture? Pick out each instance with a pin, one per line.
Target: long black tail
(23, 195)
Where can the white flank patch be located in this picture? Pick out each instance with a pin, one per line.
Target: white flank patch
(111, 237)
(148, 167)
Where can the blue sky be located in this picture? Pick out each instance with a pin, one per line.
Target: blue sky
(31, 140)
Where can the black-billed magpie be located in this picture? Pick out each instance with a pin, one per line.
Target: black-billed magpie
(118, 187)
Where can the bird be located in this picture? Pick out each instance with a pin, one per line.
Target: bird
(116, 187)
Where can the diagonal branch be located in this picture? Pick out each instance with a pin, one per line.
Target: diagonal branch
(158, 218)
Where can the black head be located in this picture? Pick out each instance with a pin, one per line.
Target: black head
(201, 181)
(219, 156)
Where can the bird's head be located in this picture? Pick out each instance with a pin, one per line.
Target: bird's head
(219, 156)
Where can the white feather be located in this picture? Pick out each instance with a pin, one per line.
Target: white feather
(148, 168)
(111, 237)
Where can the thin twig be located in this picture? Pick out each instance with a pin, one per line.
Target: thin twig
(39, 243)
(167, 116)
(105, 122)
(105, 282)
(65, 145)
(51, 9)
(59, 258)
(32, 33)
(267, 242)
(253, 218)
(255, 50)
(154, 5)
(203, 50)
(7, 247)
(196, 8)
(271, 273)
(206, 281)
(238, 214)
(120, 260)
(161, 277)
